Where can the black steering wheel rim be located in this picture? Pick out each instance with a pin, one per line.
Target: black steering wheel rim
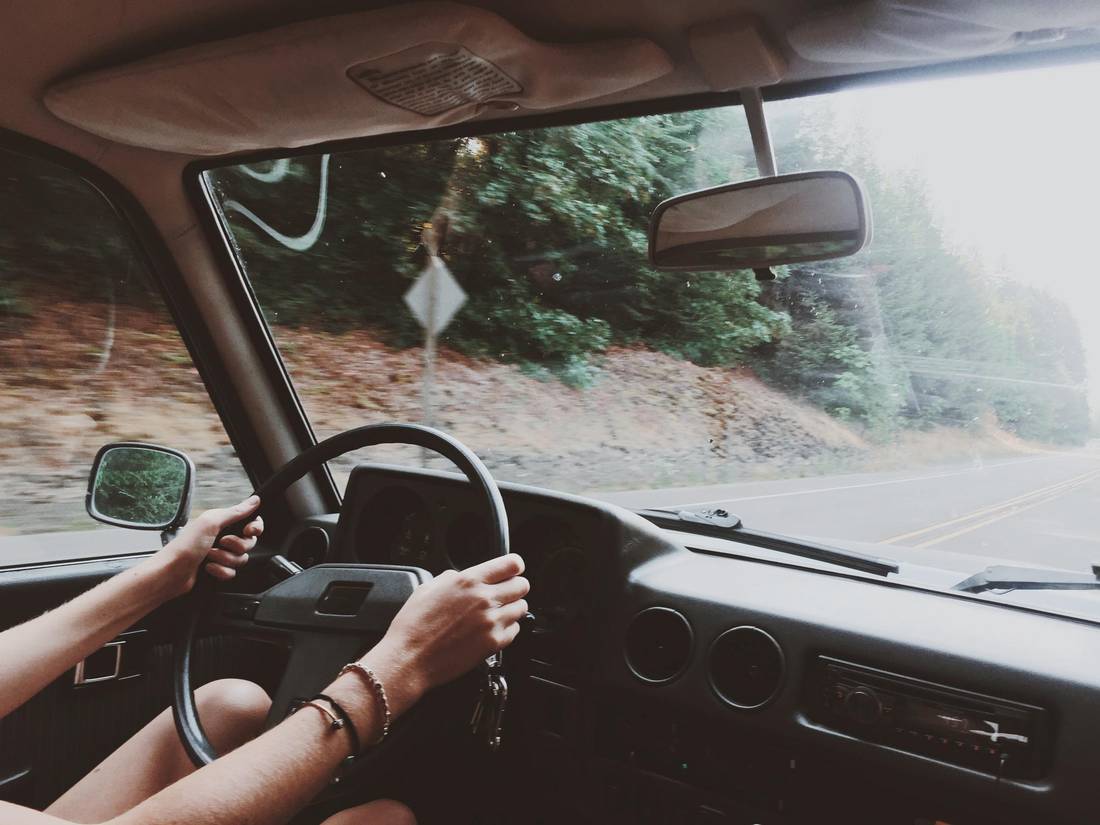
(184, 710)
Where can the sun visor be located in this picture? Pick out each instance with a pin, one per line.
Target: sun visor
(888, 31)
(414, 66)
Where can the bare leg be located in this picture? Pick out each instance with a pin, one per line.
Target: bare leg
(232, 711)
(379, 812)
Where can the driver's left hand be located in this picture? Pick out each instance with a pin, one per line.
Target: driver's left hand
(194, 544)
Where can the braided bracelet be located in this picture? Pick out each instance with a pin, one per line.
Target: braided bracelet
(375, 684)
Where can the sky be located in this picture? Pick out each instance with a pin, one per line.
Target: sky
(1012, 162)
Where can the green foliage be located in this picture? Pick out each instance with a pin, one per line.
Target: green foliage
(13, 308)
(825, 360)
(547, 234)
(60, 241)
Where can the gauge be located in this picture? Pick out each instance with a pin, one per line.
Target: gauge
(468, 541)
(561, 582)
(413, 543)
(557, 568)
(395, 527)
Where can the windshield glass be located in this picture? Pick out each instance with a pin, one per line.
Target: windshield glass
(930, 394)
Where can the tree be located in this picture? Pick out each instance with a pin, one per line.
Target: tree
(547, 234)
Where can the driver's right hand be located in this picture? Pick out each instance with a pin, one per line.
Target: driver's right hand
(448, 626)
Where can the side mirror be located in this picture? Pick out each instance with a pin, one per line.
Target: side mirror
(141, 486)
(786, 219)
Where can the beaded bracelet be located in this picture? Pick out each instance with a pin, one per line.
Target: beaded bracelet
(376, 687)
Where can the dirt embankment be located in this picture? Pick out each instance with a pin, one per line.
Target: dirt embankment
(75, 376)
(646, 419)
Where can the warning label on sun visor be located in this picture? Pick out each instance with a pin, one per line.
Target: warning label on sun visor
(433, 79)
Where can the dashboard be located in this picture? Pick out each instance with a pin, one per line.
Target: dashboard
(664, 682)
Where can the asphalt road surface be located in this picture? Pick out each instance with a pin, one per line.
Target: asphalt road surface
(1042, 508)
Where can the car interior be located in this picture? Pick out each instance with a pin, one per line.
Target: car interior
(677, 666)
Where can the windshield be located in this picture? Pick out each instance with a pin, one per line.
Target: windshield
(930, 394)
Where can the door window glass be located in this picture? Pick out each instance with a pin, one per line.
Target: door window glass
(88, 355)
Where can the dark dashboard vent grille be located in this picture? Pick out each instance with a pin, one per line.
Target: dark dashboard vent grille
(658, 644)
(746, 667)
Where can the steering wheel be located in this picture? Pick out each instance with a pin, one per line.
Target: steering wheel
(330, 613)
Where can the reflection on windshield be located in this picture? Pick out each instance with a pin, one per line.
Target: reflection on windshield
(929, 394)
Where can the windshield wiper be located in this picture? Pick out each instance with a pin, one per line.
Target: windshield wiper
(724, 525)
(1004, 577)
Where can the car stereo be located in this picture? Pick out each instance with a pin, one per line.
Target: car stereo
(996, 736)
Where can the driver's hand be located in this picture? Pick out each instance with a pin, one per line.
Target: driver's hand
(194, 544)
(448, 626)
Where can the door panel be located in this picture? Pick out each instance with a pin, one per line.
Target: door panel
(64, 731)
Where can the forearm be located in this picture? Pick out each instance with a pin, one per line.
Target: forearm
(264, 782)
(268, 780)
(36, 652)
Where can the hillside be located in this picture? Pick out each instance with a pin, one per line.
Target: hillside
(73, 382)
(646, 419)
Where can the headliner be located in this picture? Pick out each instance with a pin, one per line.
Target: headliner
(53, 39)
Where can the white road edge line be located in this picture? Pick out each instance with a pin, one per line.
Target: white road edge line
(859, 486)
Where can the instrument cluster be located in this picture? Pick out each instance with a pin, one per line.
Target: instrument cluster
(400, 525)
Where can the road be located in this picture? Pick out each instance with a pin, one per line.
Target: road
(1042, 508)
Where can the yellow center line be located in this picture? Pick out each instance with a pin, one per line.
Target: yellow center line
(994, 508)
(1019, 509)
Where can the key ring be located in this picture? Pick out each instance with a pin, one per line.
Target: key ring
(488, 717)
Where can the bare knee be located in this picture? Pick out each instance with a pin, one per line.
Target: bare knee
(234, 698)
(392, 812)
(379, 812)
(232, 711)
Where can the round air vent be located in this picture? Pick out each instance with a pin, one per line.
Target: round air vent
(746, 667)
(308, 547)
(658, 644)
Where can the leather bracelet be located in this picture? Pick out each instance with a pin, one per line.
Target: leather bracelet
(367, 675)
(345, 720)
(334, 721)
(338, 720)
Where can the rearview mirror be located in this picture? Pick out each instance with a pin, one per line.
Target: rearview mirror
(142, 486)
(786, 219)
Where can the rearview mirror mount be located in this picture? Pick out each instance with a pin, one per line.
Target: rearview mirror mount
(760, 223)
(140, 486)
